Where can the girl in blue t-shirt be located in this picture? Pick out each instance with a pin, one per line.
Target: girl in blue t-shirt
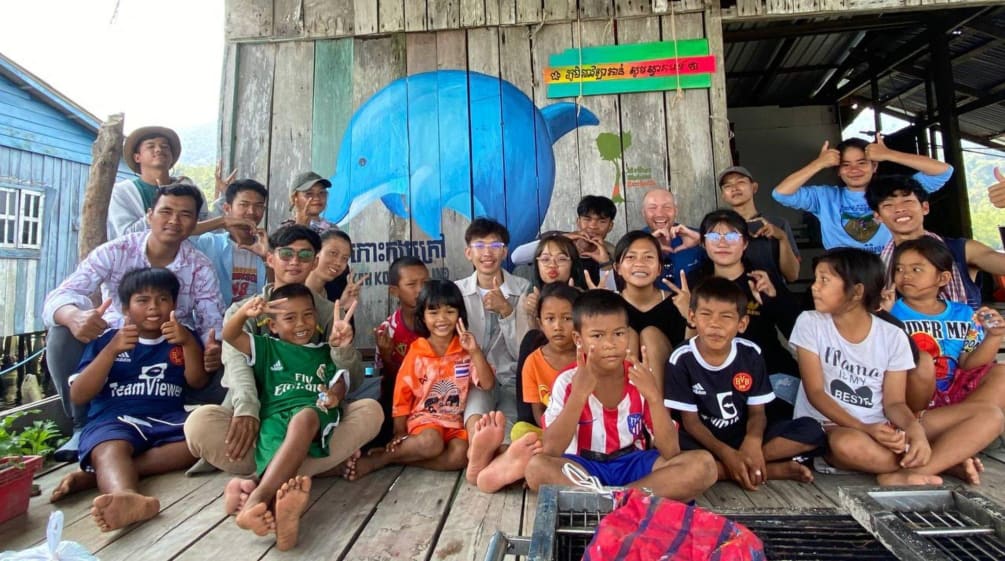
(959, 346)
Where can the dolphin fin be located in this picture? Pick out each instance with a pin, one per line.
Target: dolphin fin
(395, 202)
(561, 118)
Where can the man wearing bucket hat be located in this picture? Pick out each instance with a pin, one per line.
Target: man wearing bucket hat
(151, 152)
(308, 200)
(771, 237)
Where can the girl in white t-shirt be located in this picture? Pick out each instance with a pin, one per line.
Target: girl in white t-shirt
(854, 376)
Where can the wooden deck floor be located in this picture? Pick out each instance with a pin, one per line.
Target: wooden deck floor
(396, 513)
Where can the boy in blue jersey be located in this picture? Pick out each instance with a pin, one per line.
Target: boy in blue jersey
(134, 379)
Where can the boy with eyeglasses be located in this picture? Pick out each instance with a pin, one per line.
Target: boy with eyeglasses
(224, 435)
(490, 297)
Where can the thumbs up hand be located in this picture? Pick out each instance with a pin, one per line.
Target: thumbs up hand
(495, 301)
(88, 325)
(996, 192)
(174, 332)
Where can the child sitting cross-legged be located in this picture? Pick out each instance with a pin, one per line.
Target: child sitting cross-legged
(719, 383)
(134, 379)
(300, 392)
(854, 376)
(599, 418)
(432, 387)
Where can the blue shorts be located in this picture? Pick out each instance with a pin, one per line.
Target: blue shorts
(622, 470)
(142, 432)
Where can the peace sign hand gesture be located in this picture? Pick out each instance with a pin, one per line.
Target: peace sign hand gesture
(341, 330)
(221, 183)
(352, 288)
(681, 295)
(602, 284)
(760, 283)
(469, 344)
(642, 376)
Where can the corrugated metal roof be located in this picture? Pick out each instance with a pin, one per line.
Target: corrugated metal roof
(753, 47)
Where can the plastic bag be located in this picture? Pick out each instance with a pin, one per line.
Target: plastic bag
(53, 549)
(646, 528)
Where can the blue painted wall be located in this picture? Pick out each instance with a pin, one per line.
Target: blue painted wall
(29, 124)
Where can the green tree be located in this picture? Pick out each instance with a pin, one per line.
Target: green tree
(611, 147)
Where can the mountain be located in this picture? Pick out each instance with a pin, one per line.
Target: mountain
(198, 144)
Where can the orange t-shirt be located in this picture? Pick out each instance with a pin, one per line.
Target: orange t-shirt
(538, 378)
(433, 389)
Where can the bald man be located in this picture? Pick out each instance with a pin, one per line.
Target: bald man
(681, 245)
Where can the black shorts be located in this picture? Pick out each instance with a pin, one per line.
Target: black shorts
(804, 430)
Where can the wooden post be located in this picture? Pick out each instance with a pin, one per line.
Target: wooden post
(957, 221)
(106, 153)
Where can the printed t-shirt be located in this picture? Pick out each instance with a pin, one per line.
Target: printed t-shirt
(148, 380)
(244, 279)
(289, 375)
(433, 389)
(719, 394)
(944, 336)
(538, 378)
(853, 372)
(602, 430)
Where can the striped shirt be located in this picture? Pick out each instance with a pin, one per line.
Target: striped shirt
(603, 430)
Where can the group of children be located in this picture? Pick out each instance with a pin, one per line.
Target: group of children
(640, 387)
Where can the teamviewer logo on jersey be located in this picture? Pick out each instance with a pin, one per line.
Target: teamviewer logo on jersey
(153, 372)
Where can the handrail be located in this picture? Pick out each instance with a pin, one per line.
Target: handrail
(23, 362)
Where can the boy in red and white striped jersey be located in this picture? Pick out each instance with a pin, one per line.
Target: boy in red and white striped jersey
(600, 420)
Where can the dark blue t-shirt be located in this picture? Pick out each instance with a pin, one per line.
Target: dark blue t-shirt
(673, 263)
(148, 380)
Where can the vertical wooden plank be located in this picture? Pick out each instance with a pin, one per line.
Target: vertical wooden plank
(421, 53)
(507, 11)
(253, 113)
(228, 103)
(474, 517)
(491, 12)
(550, 39)
(247, 18)
(290, 141)
(642, 115)
(443, 14)
(597, 175)
(333, 104)
(415, 15)
(515, 67)
(324, 18)
(287, 18)
(528, 11)
(483, 50)
(596, 8)
(718, 118)
(689, 138)
(750, 7)
(391, 15)
(452, 53)
(472, 13)
(365, 17)
(625, 8)
(376, 63)
(559, 10)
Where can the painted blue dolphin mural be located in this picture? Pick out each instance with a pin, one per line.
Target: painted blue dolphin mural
(452, 139)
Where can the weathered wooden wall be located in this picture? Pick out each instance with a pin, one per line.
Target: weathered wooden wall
(294, 77)
(25, 279)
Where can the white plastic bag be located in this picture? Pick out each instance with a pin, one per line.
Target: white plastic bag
(52, 549)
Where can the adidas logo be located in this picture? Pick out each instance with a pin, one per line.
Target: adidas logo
(698, 390)
(123, 357)
(278, 366)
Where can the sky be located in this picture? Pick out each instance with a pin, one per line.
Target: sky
(158, 62)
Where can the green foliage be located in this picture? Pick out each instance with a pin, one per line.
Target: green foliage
(204, 176)
(984, 217)
(40, 439)
(609, 146)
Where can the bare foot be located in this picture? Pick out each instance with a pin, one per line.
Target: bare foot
(291, 501)
(256, 518)
(511, 465)
(73, 482)
(347, 469)
(122, 508)
(792, 471)
(907, 477)
(373, 461)
(235, 494)
(969, 470)
(485, 441)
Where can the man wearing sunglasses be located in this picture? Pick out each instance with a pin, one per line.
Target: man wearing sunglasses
(74, 321)
(224, 435)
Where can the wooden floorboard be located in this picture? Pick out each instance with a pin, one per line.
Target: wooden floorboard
(394, 513)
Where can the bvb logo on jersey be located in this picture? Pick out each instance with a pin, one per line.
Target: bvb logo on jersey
(742, 381)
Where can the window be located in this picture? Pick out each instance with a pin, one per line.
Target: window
(21, 218)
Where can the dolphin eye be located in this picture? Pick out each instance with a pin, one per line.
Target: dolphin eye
(362, 162)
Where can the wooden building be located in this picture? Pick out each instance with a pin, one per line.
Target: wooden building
(312, 85)
(45, 153)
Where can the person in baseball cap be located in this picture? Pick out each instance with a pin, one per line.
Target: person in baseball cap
(308, 199)
(772, 245)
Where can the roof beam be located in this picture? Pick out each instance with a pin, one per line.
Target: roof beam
(777, 57)
(987, 28)
(904, 53)
(847, 25)
(784, 70)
